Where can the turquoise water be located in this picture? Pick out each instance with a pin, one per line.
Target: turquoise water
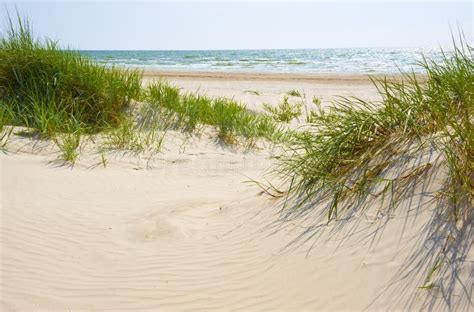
(360, 60)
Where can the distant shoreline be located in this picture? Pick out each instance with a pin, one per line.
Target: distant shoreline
(265, 76)
(362, 61)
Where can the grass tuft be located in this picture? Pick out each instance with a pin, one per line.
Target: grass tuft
(294, 93)
(136, 136)
(69, 145)
(316, 101)
(285, 111)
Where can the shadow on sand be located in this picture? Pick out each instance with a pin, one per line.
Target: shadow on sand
(436, 273)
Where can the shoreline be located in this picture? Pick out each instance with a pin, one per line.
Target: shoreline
(265, 76)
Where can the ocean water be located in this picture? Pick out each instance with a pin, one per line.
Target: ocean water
(360, 60)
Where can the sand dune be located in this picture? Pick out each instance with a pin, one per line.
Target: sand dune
(183, 231)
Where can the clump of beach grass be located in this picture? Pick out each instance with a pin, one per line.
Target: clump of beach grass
(136, 133)
(46, 87)
(356, 152)
(284, 111)
(313, 114)
(294, 93)
(190, 110)
(59, 93)
(316, 100)
(336, 156)
(69, 145)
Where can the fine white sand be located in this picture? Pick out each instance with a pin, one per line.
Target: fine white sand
(183, 231)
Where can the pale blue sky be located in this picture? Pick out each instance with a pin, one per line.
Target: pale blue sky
(154, 25)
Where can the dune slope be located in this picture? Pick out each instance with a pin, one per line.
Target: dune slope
(184, 232)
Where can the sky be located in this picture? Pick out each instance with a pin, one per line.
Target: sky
(196, 25)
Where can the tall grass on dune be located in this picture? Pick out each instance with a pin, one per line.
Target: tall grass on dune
(346, 149)
(57, 90)
(64, 95)
(357, 154)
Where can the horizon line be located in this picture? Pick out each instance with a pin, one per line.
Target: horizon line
(253, 49)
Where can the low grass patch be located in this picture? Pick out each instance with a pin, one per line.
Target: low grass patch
(190, 110)
(294, 93)
(284, 111)
(137, 133)
(69, 145)
(316, 100)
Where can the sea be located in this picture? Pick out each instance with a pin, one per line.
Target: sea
(347, 61)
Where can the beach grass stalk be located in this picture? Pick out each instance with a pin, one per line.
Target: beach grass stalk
(254, 92)
(6, 117)
(103, 159)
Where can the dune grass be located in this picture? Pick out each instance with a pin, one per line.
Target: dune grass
(64, 96)
(254, 92)
(344, 153)
(55, 90)
(69, 145)
(316, 100)
(294, 93)
(357, 153)
(136, 133)
(190, 110)
(284, 111)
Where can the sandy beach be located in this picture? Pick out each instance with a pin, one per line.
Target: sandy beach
(185, 230)
(271, 87)
(236, 156)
